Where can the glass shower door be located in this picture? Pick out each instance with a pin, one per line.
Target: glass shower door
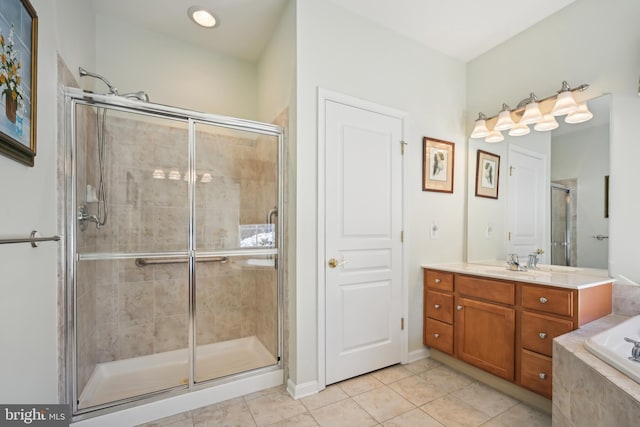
(236, 285)
(131, 244)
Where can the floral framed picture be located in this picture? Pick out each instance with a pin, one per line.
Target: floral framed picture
(437, 165)
(18, 78)
(487, 175)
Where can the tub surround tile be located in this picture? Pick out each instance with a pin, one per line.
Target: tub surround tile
(587, 391)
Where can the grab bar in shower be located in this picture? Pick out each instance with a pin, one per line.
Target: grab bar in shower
(142, 262)
(33, 239)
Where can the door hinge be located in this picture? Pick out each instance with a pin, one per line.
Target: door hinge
(402, 145)
(509, 237)
(510, 170)
(402, 323)
(402, 236)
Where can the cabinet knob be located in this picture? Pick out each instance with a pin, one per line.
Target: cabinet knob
(542, 335)
(542, 376)
(437, 280)
(436, 335)
(436, 306)
(543, 300)
(458, 307)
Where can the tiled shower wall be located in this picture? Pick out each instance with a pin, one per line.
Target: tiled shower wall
(126, 311)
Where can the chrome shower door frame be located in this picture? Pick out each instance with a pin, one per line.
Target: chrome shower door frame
(74, 97)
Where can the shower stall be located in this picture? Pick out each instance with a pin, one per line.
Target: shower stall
(173, 250)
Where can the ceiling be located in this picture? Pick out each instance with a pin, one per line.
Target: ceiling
(462, 29)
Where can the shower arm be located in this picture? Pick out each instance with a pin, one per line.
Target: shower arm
(84, 73)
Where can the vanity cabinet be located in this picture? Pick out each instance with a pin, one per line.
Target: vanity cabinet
(506, 327)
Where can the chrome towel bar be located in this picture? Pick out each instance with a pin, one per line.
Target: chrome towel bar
(142, 262)
(33, 239)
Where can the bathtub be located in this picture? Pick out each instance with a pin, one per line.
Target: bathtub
(611, 347)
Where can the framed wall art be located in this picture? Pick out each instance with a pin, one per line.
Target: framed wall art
(487, 175)
(437, 165)
(18, 78)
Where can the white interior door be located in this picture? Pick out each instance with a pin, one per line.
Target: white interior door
(363, 225)
(527, 209)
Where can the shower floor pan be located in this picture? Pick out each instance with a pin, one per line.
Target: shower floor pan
(121, 379)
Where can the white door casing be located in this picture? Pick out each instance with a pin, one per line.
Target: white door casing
(527, 210)
(363, 217)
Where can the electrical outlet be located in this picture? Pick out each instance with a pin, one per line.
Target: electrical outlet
(433, 231)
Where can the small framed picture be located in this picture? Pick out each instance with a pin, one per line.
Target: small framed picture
(487, 175)
(437, 165)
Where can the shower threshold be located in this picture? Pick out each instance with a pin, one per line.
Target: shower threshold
(122, 379)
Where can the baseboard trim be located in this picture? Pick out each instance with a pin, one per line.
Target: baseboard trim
(414, 356)
(298, 391)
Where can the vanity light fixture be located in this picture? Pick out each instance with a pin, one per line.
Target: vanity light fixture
(494, 136)
(158, 174)
(532, 113)
(519, 129)
(539, 112)
(480, 130)
(582, 114)
(504, 119)
(202, 16)
(548, 123)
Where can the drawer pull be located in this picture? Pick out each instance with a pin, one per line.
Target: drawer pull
(543, 300)
(437, 281)
(459, 307)
(542, 335)
(436, 306)
(542, 376)
(436, 335)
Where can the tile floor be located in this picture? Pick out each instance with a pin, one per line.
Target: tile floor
(424, 393)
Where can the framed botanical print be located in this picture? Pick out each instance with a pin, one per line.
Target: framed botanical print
(487, 174)
(437, 165)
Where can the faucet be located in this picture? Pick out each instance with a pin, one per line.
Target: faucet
(513, 263)
(532, 262)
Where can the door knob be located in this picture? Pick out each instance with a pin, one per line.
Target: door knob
(333, 263)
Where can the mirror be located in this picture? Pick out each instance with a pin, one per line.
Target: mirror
(552, 194)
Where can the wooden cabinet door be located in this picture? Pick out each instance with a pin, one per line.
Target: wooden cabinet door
(485, 336)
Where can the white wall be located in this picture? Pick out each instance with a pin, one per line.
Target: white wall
(585, 155)
(173, 72)
(592, 42)
(340, 51)
(28, 200)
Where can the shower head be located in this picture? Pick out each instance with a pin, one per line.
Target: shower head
(140, 96)
(85, 73)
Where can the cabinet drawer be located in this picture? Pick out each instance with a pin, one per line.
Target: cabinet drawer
(438, 280)
(551, 300)
(536, 372)
(439, 335)
(487, 289)
(538, 331)
(439, 306)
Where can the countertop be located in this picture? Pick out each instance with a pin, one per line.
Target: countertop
(550, 275)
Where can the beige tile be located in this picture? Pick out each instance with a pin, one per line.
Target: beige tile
(486, 399)
(416, 390)
(359, 384)
(383, 403)
(453, 412)
(445, 379)
(587, 387)
(422, 365)
(302, 420)
(415, 418)
(343, 413)
(391, 374)
(273, 407)
(521, 415)
(234, 412)
(327, 396)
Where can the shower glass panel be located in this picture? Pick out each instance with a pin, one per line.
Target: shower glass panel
(236, 195)
(560, 225)
(132, 205)
(172, 250)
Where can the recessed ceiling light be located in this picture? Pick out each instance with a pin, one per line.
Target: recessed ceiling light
(202, 16)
